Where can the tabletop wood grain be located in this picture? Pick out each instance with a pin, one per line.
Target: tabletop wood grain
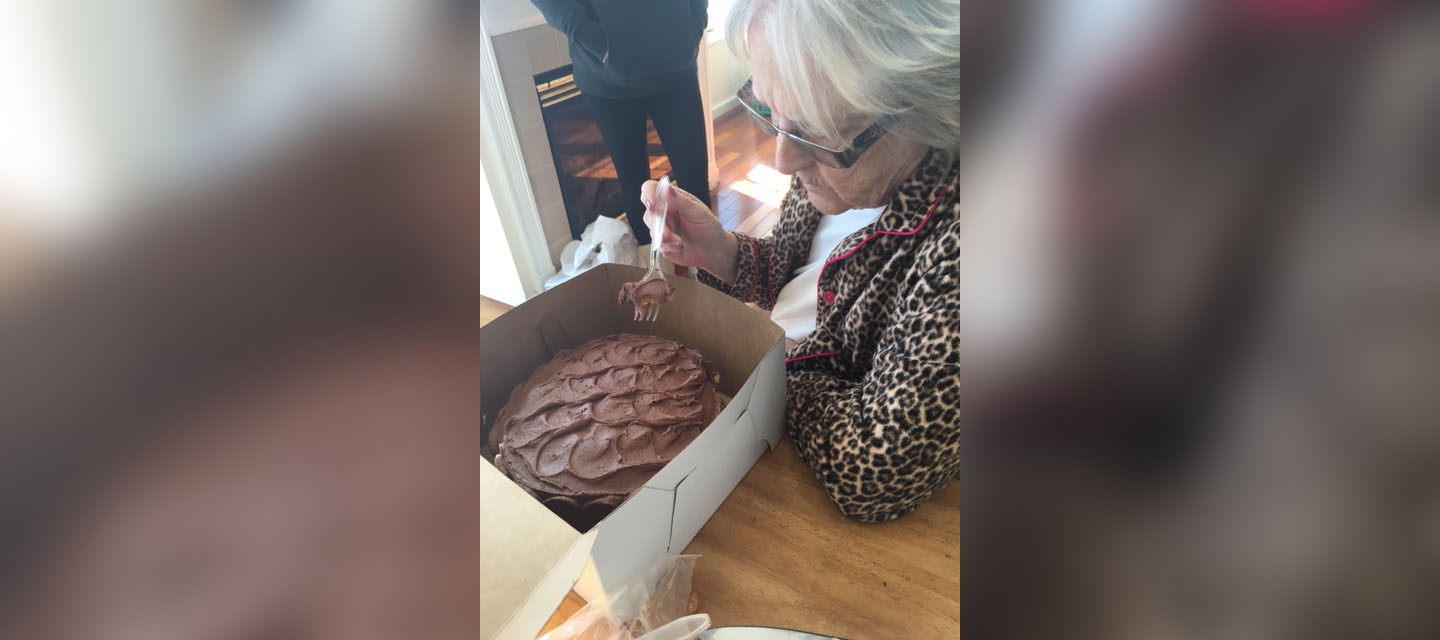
(778, 553)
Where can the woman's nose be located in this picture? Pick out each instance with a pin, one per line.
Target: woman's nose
(789, 158)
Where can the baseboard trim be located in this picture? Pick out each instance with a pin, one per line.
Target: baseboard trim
(719, 110)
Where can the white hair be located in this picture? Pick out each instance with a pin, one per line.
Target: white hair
(872, 58)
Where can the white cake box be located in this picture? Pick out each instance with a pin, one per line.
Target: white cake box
(529, 557)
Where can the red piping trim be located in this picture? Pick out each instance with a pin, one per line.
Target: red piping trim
(857, 248)
(813, 355)
(911, 232)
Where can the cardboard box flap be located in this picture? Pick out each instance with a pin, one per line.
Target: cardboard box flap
(630, 540)
(704, 490)
(767, 404)
(529, 558)
(672, 474)
(741, 397)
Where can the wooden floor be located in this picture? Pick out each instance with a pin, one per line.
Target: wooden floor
(491, 309)
(583, 147)
(748, 197)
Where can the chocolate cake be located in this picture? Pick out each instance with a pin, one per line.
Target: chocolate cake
(590, 426)
(646, 294)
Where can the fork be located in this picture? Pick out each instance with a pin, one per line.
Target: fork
(651, 312)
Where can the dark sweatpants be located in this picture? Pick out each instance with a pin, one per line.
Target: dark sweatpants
(679, 118)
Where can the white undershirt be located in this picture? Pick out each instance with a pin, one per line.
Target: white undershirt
(796, 305)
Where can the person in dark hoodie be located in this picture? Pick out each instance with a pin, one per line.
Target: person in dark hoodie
(636, 58)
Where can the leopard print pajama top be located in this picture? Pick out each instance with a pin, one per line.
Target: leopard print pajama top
(874, 392)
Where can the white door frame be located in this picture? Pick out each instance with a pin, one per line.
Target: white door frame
(509, 184)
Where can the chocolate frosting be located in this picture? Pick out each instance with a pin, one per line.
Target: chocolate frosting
(589, 427)
(650, 292)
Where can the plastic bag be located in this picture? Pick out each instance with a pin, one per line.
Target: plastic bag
(651, 606)
(606, 240)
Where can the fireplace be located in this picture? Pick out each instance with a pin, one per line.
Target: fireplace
(588, 184)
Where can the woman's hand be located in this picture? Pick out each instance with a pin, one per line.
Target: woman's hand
(693, 236)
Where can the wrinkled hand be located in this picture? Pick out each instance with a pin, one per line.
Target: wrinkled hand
(693, 236)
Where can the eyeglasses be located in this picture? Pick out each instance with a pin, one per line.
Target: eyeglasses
(839, 159)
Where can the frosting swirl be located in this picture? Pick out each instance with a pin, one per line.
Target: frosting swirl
(646, 294)
(590, 426)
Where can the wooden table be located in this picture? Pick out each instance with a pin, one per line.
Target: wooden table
(778, 554)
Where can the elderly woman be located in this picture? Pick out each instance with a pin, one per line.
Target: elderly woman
(863, 268)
